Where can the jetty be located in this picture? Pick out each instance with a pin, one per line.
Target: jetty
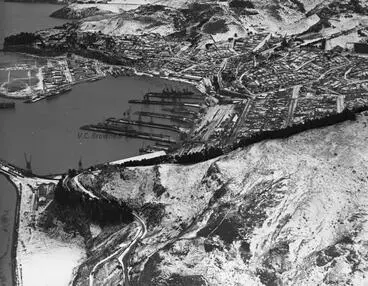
(174, 95)
(121, 131)
(118, 122)
(194, 104)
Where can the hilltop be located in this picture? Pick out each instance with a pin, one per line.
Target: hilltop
(277, 16)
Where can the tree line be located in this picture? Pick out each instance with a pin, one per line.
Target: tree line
(103, 211)
(23, 38)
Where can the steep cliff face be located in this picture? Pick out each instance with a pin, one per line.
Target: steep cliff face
(281, 212)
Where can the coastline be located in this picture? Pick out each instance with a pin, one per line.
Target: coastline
(14, 246)
(29, 243)
(31, 2)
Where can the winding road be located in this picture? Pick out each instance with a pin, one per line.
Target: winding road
(140, 234)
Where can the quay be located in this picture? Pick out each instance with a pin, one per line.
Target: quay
(173, 96)
(158, 102)
(49, 94)
(103, 128)
(114, 121)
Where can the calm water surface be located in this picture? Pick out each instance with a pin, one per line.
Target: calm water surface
(26, 17)
(14, 18)
(49, 130)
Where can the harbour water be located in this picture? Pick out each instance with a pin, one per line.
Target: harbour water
(26, 17)
(49, 130)
(14, 18)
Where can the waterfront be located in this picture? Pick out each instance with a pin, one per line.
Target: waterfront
(7, 217)
(15, 18)
(49, 130)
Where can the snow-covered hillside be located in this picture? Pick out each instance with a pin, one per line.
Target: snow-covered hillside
(282, 17)
(281, 212)
(143, 20)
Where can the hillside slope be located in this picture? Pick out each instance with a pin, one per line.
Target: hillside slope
(281, 212)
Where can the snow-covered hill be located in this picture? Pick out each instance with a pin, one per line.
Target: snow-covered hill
(283, 17)
(281, 212)
(144, 20)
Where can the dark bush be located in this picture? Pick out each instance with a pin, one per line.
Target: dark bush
(215, 27)
(241, 4)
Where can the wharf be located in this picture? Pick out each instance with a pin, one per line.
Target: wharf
(158, 102)
(173, 96)
(49, 94)
(101, 128)
(118, 122)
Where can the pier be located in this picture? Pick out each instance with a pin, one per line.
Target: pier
(118, 122)
(173, 95)
(194, 104)
(121, 131)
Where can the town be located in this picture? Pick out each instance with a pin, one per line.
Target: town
(261, 82)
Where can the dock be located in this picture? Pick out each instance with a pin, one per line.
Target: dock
(118, 122)
(194, 104)
(173, 95)
(105, 128)
(50, 94)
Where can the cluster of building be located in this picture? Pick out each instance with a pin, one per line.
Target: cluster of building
(262, 83)
(59, 74)
(55, 74)
(82, 69)
(275, 91)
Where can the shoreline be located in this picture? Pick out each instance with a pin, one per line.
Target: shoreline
(198, 84)
(34, 2)
(14, 246)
